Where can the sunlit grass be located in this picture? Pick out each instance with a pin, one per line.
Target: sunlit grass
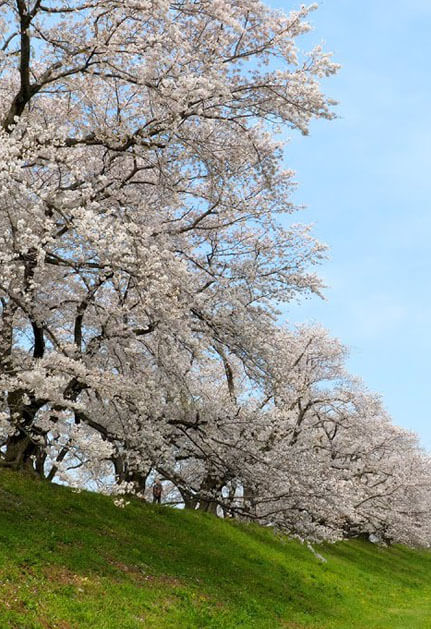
(72, 560)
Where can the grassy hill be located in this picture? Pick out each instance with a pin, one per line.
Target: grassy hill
(71, 560)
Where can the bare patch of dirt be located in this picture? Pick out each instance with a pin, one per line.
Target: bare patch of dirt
(58, 624)
(140, 575)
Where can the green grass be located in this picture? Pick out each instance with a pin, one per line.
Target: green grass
(71, 561)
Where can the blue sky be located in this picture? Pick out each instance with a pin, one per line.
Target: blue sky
(366, 181)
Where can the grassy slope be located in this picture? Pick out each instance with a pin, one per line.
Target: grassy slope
(76, 561)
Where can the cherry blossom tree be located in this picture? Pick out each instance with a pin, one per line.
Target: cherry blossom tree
(311, 451)
(143, 254)
(140, 188)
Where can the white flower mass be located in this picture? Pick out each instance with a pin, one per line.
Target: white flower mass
(142, 259)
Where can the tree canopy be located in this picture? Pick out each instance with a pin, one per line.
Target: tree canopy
(144, 252)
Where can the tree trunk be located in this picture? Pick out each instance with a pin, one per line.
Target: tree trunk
(20, 454)
(124, 474)
(189, 501)
(23, 452)
(249, 499)
(210, 485)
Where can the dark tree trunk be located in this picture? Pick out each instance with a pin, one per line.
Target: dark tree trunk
(227, 512)
(210, 485)
(139, 480)
(189, 501)
(20, 454)
(24, 449)
(250, 500)
(124, 474)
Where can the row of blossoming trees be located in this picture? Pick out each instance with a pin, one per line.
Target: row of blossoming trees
(142, 259)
